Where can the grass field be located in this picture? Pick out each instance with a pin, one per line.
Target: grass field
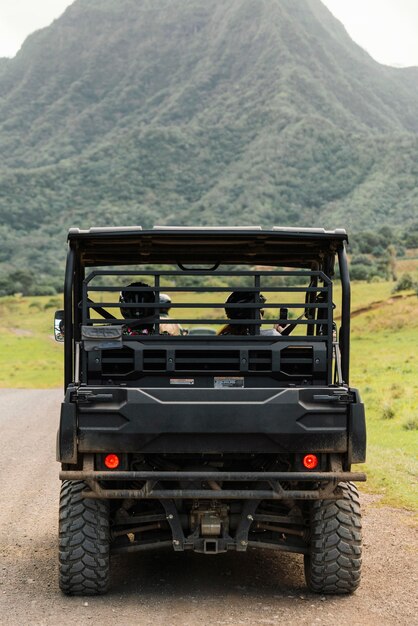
(29, 355)
(384, 367)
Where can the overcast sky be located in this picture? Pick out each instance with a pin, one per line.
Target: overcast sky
(387, 29)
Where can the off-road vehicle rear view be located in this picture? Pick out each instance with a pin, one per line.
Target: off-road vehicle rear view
(207, 400)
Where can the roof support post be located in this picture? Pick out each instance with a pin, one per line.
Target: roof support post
(68, 317)
(345, 313)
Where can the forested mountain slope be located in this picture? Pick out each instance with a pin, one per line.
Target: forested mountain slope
(199, 112)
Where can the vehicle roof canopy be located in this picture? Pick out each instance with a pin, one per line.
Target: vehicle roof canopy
(294, 247)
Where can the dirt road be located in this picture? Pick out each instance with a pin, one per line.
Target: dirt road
(168, 588)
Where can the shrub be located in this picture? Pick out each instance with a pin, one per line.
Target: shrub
(411, 424)
(54, 303)
(359, 272)
(397, 391)
(44, 290)
(361, 259)
(405, 282)
(387, 412)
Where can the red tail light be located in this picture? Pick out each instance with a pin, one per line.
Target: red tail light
(111, 461)
(310, 461)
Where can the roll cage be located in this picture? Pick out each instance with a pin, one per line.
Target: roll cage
(302, 285)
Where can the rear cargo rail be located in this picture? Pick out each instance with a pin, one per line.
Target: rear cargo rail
(141, 352)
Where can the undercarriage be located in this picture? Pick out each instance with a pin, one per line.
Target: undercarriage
(210, 503)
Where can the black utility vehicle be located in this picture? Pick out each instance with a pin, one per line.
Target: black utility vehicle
(207, 400)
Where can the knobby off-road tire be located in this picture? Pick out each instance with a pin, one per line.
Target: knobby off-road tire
(334, 563)
(83, 542)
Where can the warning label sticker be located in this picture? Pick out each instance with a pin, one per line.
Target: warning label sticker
(181, 381)
(222, 382)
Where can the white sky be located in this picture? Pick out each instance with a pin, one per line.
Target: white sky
(387, 29)
(19, 18)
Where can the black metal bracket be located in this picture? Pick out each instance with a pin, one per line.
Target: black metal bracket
(173, 519)
(247, 518)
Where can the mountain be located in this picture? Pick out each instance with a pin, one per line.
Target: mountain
(199, 112)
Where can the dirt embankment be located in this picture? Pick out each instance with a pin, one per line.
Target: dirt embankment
(378, 304)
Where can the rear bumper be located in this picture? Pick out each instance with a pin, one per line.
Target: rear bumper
(252, 485)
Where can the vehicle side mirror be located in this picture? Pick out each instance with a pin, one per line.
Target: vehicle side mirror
(59, 325)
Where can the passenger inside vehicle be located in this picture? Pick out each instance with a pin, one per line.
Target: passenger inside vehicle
(240, 313)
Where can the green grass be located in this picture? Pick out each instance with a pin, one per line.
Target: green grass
(29, 355)
(364, 294)
(384, 367)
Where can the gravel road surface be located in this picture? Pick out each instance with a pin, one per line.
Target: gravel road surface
(166, 588)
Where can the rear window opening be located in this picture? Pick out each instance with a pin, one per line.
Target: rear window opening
(209, 303)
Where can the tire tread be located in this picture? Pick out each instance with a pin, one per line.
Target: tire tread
(334, 563)
(83, 542)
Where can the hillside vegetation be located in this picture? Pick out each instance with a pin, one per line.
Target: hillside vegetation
(166, 111)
